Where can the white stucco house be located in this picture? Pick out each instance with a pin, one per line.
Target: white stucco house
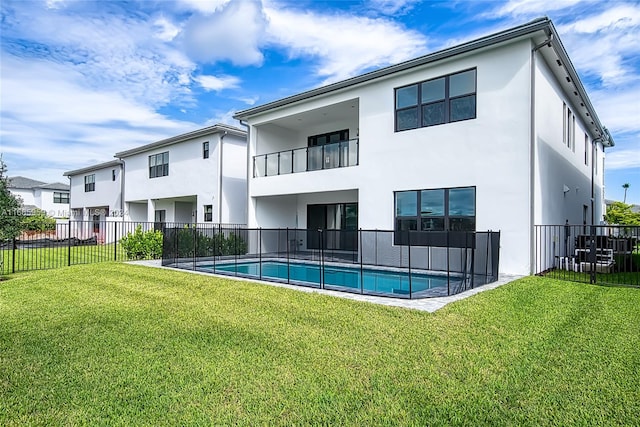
(51, 198)
(493, 134)
(96, 191)
(198, 176)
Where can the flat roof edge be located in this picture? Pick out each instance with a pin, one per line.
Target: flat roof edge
(500, 37)
(92, 168)
(217, 128)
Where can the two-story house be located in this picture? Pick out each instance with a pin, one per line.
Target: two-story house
(493, 134)
(96, 195)
(51, 198)
(198, 176)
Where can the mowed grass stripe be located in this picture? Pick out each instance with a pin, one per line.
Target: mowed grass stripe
(119, 344)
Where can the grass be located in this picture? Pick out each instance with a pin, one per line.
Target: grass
(46, 258)
(119, 344)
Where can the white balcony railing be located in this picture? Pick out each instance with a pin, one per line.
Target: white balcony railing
(335, 155)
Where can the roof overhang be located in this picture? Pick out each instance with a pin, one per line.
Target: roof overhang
(93, 168)
(218, 128)
(538, 30)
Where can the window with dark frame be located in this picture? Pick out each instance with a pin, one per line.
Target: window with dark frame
(205, 150)
(445, 99)
(328, 138)
(89, 183)
(586, 149)
(208, 213)
(113, 174)
(60, 197)
(441, 209)
(159, 165)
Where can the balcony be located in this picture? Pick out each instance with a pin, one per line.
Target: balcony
(335, 155)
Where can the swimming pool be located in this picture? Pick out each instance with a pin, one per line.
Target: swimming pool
(371, 281)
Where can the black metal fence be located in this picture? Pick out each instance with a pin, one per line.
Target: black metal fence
(604, 254)
(74, 242)
(361, 261)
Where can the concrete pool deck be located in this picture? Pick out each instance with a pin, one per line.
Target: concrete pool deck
(425, 304)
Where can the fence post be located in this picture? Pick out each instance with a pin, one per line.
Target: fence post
(13, 255)
(288, 264)
(260, 252)
(321, 258)
(115, 240)
(361, 271)
(68, 243)
(409, 260)
(592, 255)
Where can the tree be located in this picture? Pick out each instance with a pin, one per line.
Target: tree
(621, 213)
(626, 187)
(10, 214)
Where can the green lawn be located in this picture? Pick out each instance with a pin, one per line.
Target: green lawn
(46, 258)
(118, 344)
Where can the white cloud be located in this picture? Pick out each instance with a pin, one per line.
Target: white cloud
(48, 118)
(205, 7)
(390, 7)
(352, 45)
(627, 158)
(619, 17)
(217, 84)
(618, 110)
(167, 31)
(232, 34)
(532, 7)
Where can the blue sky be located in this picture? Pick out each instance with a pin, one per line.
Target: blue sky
(81, 80)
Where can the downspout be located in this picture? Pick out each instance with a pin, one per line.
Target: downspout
(593, 190)
(122, 166)
(249, 169)
(70, 210)
(220, 177)
(532, 153)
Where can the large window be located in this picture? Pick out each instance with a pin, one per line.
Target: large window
(89, 183)
(60, 197)
(443, 209)
(339, 222)
(433, 102)
(159, 165)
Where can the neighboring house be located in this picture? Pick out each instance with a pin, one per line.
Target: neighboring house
(494, 134)
(96, 194)
(199, 176)
(53, 198)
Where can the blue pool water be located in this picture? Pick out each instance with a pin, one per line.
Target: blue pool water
(372, 281)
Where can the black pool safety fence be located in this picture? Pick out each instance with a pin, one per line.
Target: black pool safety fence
(602, 254)
(81, 242)
(401, 264)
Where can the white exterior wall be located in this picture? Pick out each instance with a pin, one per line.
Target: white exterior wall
(192, 180)
(234, 180)
(106, 195)
(26, 195)
(490, 152)
(45, 202)
(563, 180)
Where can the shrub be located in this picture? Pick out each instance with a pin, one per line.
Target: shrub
(207, 243)
(142, 244)
(38, 221)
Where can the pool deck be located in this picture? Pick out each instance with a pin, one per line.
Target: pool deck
(425, 304)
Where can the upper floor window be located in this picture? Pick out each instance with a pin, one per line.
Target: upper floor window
(328, 138)
(205, 150)
(446, 99)
(586, 149)
(113, 174)
(159, 165)
(568, 127)
(442, 209)
(208, 213)
(89, 183)
(59, 197)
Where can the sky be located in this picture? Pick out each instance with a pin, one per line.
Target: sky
(82, 80)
